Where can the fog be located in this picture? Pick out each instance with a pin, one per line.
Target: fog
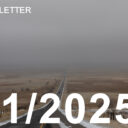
(65, 34)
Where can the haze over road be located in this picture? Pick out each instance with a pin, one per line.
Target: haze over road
(65, 34)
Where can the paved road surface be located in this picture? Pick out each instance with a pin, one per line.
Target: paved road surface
(36, 114)
(64, 121)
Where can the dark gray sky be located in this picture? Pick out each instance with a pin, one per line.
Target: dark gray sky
(65, 33)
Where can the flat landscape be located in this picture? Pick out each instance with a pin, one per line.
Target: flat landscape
(84, 83)
(25, 85)
(88, 84)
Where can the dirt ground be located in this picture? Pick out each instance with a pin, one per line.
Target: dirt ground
(88, 84)
(24, 85)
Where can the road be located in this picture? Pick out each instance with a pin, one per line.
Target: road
(36, 114)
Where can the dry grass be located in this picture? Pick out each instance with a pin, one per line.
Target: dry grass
(90, 84)
(24, 87)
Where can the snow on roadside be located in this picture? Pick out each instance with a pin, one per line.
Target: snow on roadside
(88, 125)
(83, 123)
(8, 121)
(62, 125)
(3, 123)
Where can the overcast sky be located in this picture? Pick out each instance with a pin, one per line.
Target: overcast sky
(65, 33)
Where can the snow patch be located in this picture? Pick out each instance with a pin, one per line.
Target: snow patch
(62, 125)
(83, 123)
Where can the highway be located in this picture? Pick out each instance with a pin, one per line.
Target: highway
(36, 114)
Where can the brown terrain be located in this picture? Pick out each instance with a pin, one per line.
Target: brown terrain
(87, 84)
(25, 85)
